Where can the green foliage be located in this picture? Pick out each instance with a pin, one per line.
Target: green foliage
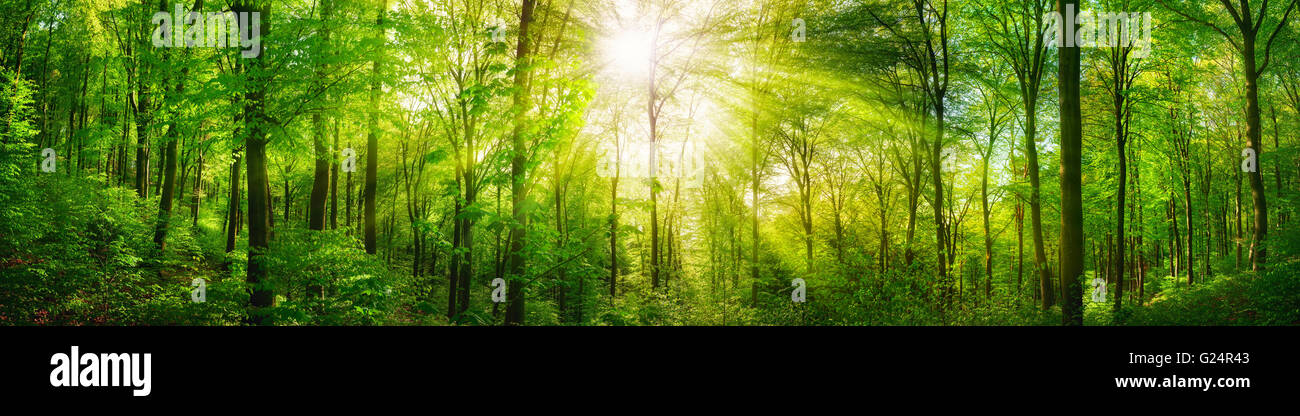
(816, 163)
(326, 278)
(80, 254)
(1246, 298)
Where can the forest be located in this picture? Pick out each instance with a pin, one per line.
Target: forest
(649, 162)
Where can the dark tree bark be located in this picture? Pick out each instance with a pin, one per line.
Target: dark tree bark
(372, 142)
(1122, 75)
(197, 196)
(232, 212)
(321, 175)
(347, 201)
(165, 203)
(334, 180)
(518, 167)
(453, 271)
(143, 117)
(259, 209)
(1071, 181)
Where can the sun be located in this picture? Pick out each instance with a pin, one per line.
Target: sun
(628, 53)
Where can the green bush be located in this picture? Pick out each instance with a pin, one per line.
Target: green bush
(357, 288)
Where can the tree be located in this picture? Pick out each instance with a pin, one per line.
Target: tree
(799, 139)
(518, 168)
(1249, 27)
(321, 175)
(372, 137)
(257, 126)
(924, 44)
(1017, 31)
(1071, 179)
(1123, 72)
(996, 111)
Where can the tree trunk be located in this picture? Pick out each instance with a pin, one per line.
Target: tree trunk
(168, 187)
(197, 198)
(1120, 140)
(1258, 251)
(453, 271)
(168, 170)
(1189, 264)
(613, 220)
(1045, 292)
(347, 201)
(1071, 182)
(321, 175)
(259, 212)
(334, 180)
(988, 237)
(518, 167)
(372, 141)
(232, 212)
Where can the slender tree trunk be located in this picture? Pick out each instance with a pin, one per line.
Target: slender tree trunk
(518, 167)
(1258, 250)
(754, 176)
(259, 212)
(168, 188)
(936, 177)
(652, 99)
(232, 212)
(347, 201)
(1020, 247)
(321, 175)
(1189, 264)
(560, 233)
(372, 142)
(453, 271)
(467, 242)
(1120, 140)
(168, 170)
(1238, 213)
(1176, 244)
(197, 198)
(613, 220)
(988, 237)
(334, 180)
(143, 116)
(1045, 292)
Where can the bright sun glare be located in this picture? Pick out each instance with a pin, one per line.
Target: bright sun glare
(628, 53)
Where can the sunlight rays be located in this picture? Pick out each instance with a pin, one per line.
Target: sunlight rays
(628, 53)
